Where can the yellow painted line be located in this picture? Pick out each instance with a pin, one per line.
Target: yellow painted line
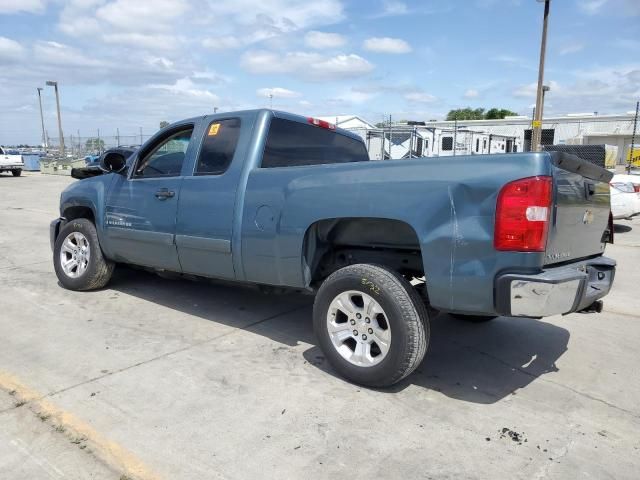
(110, 452)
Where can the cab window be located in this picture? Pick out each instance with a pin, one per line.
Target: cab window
(291, 144)
(166, 158)
(218, 147)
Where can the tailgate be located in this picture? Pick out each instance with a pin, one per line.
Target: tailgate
(10, 160)
(581, 212)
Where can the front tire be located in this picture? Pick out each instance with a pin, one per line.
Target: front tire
(17, 172)
(371, 324)
(78, 259)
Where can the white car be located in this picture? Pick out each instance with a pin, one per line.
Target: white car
(630, 186)
(10, 162)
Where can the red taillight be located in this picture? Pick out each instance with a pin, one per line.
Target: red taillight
(636, 187)
(522, 215)
(321, 123)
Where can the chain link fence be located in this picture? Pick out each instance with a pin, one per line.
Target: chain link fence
(79, 147)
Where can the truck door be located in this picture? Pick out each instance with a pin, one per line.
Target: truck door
(208, 200)
(140, 213)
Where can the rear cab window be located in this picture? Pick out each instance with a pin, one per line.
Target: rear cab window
(290, 143)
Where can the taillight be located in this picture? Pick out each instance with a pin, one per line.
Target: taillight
(522, 215)
(636, 187)
(321, 123)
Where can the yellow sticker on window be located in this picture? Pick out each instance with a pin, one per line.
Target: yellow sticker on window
(213, 129)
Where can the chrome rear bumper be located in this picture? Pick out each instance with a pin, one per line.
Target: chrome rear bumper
(557, 290)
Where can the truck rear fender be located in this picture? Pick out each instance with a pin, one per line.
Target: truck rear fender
(333, 243)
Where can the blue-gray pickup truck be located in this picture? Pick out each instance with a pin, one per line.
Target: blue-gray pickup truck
(269, 198)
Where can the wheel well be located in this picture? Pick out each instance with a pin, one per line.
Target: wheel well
(335, 243)
(72, 213)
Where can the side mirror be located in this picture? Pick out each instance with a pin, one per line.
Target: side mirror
(113, 163)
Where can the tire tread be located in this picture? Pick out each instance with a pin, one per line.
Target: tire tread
(413, 309)
(103, 268)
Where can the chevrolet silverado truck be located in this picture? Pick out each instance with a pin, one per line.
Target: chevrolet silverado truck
(11, 162)
(272, 199)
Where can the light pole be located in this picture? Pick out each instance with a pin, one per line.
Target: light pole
(537, 122)
(53, 84)
(44, 136)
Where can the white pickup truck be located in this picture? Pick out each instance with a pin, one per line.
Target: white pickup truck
(11, 163)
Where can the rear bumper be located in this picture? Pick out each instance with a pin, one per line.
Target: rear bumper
(557, 290)
(13, 166)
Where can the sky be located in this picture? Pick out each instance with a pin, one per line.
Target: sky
(129, 64)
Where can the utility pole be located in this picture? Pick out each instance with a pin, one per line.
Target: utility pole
(141, 142)
(271, 100)
(537, 122)
(44, 135)
(633, 139)
(54, 84)
(118, 137)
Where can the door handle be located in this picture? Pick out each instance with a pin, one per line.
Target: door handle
(164, 193)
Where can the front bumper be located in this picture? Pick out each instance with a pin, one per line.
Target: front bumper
(557, 290)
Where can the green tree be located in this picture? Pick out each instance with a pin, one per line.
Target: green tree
(164, 123)
(94, 144)
(498, 113)
(467, 113)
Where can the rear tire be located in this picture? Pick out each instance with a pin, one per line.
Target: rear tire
(371, 324)
(78, 259)
(473, 318)
(17, 172)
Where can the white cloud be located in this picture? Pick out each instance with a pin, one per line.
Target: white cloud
(394, 7)
(154, 41)
(386, 45)
(54, 53)
(79, 25)
(571, 48)
(147, 15)
(471, 93)
(185, 86)
(354, 97)
(591, 7)
(606, 90)
(512, 61)
(323, 40)
(284, 15)
(17, 6)
(312, 66)
(530, 89)
(420, 97)
(343, 66)
(277, 92)
(225, 42)
(10, 49)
